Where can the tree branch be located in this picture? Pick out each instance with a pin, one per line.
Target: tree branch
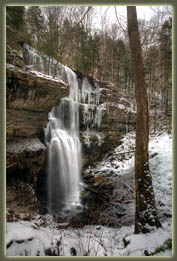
(89, 8)
(118, 20)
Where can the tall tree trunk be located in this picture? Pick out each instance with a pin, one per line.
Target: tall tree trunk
(146, 213)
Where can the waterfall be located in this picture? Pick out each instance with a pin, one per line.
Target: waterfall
(64, 151)
(62, 131)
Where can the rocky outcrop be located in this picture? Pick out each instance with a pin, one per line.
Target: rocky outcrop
(119, 117)
(30, 97)
(108, 199)
(104, 118)
(24, 159)
(14, 57)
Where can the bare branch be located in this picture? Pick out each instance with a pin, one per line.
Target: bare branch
(119, 20)
(89, 8)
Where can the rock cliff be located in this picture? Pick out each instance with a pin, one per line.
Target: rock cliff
(104, 117)
(118, 118)
(30, 96)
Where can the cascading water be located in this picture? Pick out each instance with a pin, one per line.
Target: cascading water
(62, 131)
(64, 151)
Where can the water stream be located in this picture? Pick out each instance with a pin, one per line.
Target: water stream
(64, 156)
(64, 152)
(62, 132)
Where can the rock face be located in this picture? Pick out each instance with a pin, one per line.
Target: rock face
(30, 96)
(24, 157)
(14, 57)
(118, 118)
(104, 117)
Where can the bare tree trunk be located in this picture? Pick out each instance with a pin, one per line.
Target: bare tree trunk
(155, 114)
(146, 213)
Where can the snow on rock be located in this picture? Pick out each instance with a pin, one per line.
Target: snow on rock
(29, 69)
(147, 242)
(88, 137)
(121, 161)
(20, 145)
(25, 239)
(48, 77)
(125, 108)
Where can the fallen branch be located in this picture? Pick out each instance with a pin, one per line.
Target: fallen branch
(128, 187)
(131, 151)
(11, 165)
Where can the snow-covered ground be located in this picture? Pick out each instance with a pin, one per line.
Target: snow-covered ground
(42, 236)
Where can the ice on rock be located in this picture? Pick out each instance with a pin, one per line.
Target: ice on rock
(87, 94)
(93, 112)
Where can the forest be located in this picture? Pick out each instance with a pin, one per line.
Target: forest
(88, 131)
